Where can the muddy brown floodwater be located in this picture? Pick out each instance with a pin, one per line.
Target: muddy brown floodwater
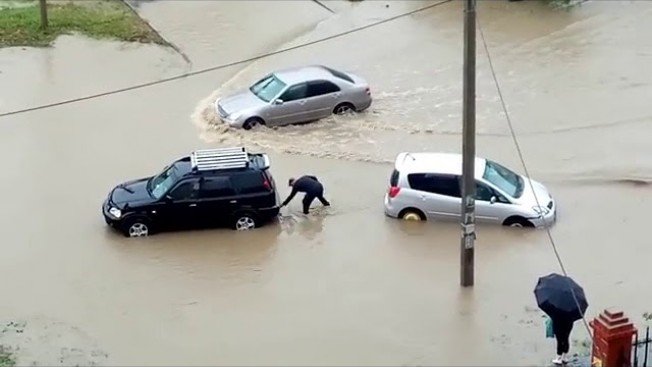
(346, 285)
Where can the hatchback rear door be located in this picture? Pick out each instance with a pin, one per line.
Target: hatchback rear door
(439, 194)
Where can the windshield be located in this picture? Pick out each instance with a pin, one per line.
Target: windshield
(267, 88)
(506, 180)
(159, 185)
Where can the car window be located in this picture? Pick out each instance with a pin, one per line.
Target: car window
(185, 190)
(248, 182)
(393, 180)
(437, 184)
(483, 192)
(267, 88)
(215, 187)
(295, 92)
(321, 87)
(503, 178)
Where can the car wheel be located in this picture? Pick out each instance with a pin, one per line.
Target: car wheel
(412, 215)
(250, 123)
(343, 108)
(245, 222)
(518, 222)
(137, 227)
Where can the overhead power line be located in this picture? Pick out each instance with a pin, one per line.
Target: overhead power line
(218, 67)
(527, 172)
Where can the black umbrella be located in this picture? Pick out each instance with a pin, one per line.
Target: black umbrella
(560, 297)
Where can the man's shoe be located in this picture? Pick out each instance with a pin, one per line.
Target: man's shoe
(557, 361)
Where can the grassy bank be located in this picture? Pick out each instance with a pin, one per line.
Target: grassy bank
(20, 25)
(6, 358)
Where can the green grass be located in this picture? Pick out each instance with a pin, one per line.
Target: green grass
(20, 25)
(6, 358)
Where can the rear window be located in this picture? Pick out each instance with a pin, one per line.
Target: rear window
(215, 187)
(249, 182)
(321, 87)
(393, 180)
(340, 75)
(435, 184)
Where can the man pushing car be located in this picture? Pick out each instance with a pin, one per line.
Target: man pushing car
(309, 185)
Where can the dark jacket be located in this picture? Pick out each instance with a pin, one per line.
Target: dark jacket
(308, 184)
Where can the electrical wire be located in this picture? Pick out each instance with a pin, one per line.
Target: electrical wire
(527, 173)
(218, 67)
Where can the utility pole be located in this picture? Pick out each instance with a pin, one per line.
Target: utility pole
(44, 15)
(468, 148)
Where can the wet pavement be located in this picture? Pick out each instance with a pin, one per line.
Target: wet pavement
(345, 285)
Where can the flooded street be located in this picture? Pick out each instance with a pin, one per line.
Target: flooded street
(346, 285)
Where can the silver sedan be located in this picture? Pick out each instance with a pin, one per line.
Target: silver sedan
(293, 96)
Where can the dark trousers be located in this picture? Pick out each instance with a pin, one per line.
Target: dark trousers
(310, 196)
(562, 330)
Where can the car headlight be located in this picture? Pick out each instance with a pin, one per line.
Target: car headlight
(541, 210)
(115, 212)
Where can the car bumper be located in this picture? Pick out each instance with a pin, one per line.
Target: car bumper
(390, 209)
(269, 213)
(108, 218)
(545, 220)
(363, 106)
(224, 118)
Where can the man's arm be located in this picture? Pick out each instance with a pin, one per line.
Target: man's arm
(287, 201)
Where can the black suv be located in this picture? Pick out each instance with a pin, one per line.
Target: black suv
(208, 188)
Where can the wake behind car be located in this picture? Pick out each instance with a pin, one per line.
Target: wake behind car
(428, 186)
(293, 96)
(207, 188)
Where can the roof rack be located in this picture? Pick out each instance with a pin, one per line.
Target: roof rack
(216, 159)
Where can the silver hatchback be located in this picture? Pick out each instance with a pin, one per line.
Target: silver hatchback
(427, 186)
(293, 96)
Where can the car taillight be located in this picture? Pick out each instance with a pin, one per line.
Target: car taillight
(267, 185)
(368, 91)
(393, 191)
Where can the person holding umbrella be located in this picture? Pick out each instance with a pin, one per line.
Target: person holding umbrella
(564, 302)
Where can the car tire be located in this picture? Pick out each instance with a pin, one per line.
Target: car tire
(412, 215)
(245, 221)
(343, 108)
(250, 123)
(518, 222)
(137, 227)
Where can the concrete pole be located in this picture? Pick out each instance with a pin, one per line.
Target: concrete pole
(44, 15)
(468, 148)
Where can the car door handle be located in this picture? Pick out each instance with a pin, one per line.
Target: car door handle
(233, 201)
(192, 205)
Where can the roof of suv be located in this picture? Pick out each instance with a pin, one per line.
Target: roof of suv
(443, 163)
(304, 73)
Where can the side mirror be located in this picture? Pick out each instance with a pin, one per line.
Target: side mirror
(493, 200)
(278, 102)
